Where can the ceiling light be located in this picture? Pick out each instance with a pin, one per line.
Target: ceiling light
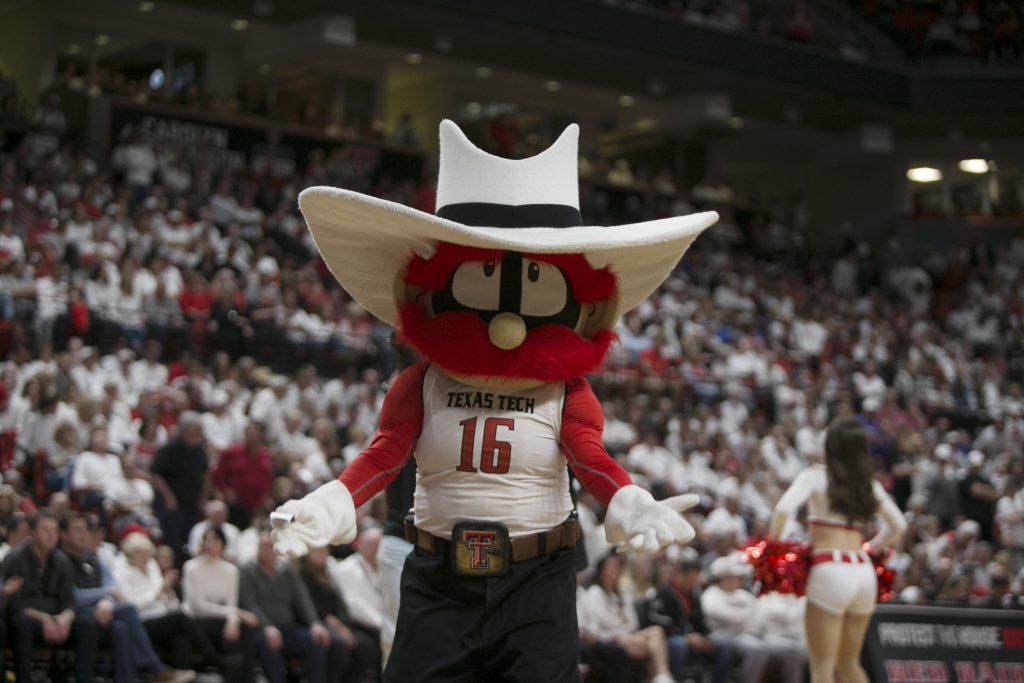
(924, 174)
(474, 108)
(264, 69)
(626, 100)
(146, 6)
(74, 49)
(735, 121)
(240, 25)
(102, 39)
(414, 58)
(552, 86)
(483, 72)
(974, 166)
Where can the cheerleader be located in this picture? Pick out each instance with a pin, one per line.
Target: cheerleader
(842, 588)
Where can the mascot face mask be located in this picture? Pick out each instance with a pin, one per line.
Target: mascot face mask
(504, 314)
(504, 286)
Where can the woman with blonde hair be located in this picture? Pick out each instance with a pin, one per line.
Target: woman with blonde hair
(138, 576)
(842, 496)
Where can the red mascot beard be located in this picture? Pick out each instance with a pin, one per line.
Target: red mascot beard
(458, 342)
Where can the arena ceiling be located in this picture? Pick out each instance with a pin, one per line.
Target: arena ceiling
(518, 36)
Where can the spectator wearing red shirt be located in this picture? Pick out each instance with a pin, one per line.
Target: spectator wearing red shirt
(244, 476)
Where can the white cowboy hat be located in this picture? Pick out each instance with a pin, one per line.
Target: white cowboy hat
(729, 565)
(527, 205)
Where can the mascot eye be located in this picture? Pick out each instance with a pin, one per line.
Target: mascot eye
(544, 289)
(477, 284)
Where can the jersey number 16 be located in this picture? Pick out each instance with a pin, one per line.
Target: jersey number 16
(494, 455)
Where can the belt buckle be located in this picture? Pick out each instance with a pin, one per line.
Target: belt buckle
(480, 548)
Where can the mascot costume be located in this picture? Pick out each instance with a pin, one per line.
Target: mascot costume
(510, 300)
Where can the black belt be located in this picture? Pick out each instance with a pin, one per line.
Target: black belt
(484, 549)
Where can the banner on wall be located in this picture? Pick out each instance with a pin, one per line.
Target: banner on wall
(910, 644)
(235, 143)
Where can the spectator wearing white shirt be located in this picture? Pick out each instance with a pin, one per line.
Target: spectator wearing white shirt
(88, 375)
(149, 373)
(221, 426)
(266, 406)
(51, 301)
(359, 583)
(730, 609)
(126, 311)
(609, 613)
(302, 451)
(139, 163)
(725, 521)
(11, 246)
(779, 621)
(131, 493)
(138, 577)
(650, 458)
(96, 471)
(618, 435)
(210, 587)
(216, 515)
(869, 385)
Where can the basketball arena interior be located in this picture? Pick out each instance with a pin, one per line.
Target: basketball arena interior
(178, 359)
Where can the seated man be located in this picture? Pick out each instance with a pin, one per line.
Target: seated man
(729, 610)
(96, 596)
(43, 608)
(358, 581)
(676, 607)
(96, 471)
(273, 591)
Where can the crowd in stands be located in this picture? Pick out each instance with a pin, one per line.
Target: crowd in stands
(176, 361)
(925, 31)
(991, 32)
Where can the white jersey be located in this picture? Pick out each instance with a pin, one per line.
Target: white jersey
(490, 454)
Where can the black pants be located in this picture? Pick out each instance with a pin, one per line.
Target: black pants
(610, 662)
(297, 643)
(176, 525)
(27, 633)
(179, 638)
(236, 658)
(365, 657)
(519, 628)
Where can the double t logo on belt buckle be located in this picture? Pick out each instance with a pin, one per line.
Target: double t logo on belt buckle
(480, 549)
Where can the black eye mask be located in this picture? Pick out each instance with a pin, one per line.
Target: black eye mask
(511, 291)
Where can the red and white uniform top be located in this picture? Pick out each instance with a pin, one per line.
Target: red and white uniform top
(487, 454)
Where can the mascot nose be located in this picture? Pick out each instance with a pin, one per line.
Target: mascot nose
(507, 331)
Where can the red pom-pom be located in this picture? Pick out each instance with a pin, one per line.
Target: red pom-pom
(779, 566)
(885, 575)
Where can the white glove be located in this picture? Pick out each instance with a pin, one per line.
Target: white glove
(643, 524)
(327, 516)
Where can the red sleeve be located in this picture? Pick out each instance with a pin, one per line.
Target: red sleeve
(401, 418)
(582, 422)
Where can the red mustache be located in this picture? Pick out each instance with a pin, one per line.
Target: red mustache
(458, 342)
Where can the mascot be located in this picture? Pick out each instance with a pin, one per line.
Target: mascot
(510, 300)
